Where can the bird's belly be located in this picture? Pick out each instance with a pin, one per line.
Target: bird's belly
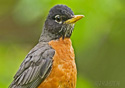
(63, 74)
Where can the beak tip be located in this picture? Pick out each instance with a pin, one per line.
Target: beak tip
(83, 15)
(78, 17)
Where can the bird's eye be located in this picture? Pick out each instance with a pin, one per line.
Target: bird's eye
(58, 19)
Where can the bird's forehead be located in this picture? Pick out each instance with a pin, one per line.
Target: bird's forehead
(61, 10)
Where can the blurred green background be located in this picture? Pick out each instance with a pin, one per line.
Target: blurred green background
(98, 39)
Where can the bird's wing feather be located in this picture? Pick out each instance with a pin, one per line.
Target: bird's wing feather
(35, 67)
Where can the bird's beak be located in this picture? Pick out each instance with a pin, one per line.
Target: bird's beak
(74, 19)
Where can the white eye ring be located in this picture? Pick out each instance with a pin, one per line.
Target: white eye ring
(58, 19)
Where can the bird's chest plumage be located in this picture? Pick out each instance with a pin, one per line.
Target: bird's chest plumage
(63, 74)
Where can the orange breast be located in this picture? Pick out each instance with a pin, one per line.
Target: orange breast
(63, 74)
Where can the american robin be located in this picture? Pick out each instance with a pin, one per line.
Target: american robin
(51, 63)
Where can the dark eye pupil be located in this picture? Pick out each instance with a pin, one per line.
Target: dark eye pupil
(58, 19)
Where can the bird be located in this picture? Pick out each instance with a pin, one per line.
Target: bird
(51, 63)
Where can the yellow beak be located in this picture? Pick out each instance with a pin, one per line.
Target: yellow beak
(74, 19)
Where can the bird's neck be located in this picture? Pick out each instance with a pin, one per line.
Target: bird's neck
(47, 36)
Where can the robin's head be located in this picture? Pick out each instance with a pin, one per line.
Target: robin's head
(59, 23)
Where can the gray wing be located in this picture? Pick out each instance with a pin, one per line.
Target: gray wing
(35, 67)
